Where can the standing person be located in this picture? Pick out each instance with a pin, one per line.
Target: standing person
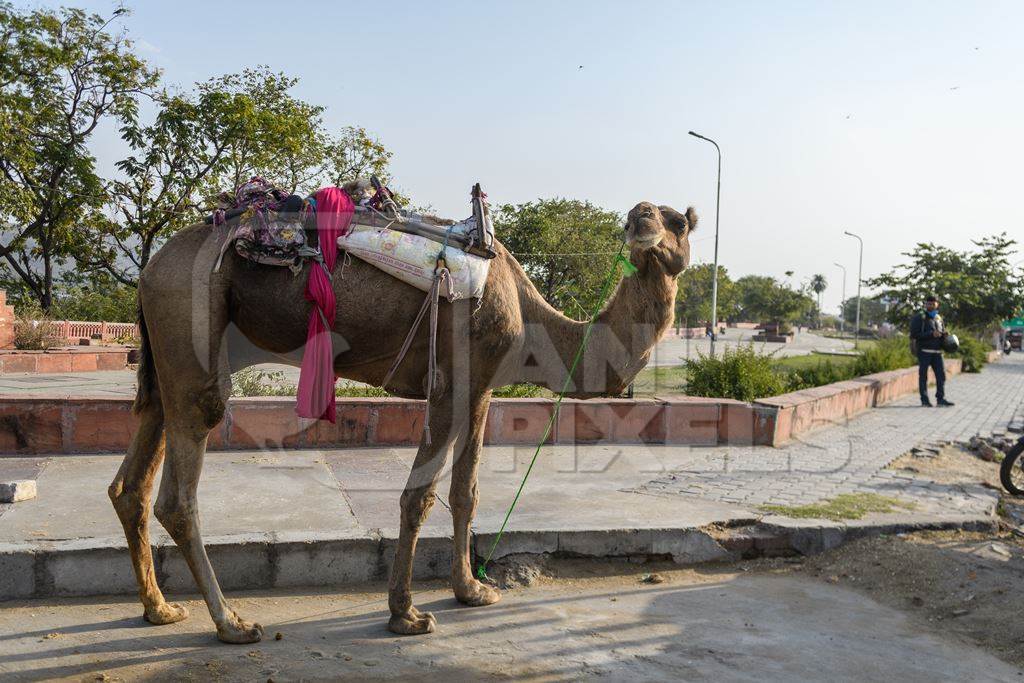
(926, 333)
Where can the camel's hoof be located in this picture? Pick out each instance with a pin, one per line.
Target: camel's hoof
(478, 594)
(412, 623)
(166, 613)
(239, 632)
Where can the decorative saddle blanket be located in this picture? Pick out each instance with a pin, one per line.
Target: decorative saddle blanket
(271, 227)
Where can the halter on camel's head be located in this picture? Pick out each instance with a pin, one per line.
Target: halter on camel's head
(659, 235)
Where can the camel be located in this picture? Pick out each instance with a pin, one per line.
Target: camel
(199, 326)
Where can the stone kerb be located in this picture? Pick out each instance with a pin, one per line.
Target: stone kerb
(799, 412)
(84, 359)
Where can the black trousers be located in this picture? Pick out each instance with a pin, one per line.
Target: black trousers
(933, 361)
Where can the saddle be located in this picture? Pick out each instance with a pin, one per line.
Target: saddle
(474, 235)
(274, 228)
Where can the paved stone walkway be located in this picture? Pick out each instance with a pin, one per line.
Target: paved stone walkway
(852, 457)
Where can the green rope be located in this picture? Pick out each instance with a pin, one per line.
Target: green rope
(619, 259)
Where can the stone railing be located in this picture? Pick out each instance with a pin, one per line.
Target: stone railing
(71, 331)
(66, 331)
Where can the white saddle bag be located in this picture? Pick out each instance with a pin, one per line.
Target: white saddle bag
(412, 259)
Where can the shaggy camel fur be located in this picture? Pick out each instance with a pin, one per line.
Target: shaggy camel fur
(199, 326)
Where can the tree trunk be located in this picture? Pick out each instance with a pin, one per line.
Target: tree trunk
(46, 300)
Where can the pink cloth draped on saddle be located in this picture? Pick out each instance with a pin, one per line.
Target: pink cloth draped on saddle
(334, 212)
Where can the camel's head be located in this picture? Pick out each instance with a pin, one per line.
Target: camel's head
(659, 237)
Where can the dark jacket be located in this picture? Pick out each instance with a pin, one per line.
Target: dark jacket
(922, 330)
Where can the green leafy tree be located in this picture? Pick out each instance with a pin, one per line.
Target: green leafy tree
(62, 73)
(873, 311)
(764, 299)
(694, 296)
(977, 288)
(94, 297)
(212, 139)
(564, 245)
(353, 153)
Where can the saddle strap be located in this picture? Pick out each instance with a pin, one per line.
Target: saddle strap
(430, 302)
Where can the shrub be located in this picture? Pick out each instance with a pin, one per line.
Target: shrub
(346, 389)
(741, 374)
(886, 354)
(520, 390)
(253, 382)
(972, 352)
(34, 331)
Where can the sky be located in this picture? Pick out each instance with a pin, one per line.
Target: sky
(900, 122)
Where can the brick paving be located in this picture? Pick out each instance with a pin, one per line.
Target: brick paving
(852, 457)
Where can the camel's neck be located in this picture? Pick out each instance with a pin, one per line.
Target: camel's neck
(626, 330)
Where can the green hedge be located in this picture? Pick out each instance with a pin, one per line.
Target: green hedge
(741, 373)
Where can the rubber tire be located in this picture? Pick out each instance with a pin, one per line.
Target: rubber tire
(1006, 469)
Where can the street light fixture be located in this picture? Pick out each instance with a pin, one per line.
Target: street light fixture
(860, 270)
(714, 272)
(842, 310)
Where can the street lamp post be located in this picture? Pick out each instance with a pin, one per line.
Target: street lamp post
(714, 272)
(842, 310)
(860, 269)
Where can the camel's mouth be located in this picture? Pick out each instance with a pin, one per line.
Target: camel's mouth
(645, 241)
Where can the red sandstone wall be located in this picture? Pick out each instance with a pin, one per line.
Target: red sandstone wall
(60, 425)
(6, 322)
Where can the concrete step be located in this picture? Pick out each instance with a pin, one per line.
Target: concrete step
(82, 567)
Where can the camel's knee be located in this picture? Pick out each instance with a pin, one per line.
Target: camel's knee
(211, 404)
(176, 516)
(465, 501)
(128, 504)
(416, 504)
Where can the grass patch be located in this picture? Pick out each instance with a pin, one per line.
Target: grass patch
(866, 344)
(844, 506)
(664, 379)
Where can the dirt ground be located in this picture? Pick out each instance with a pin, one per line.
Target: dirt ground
(776, 621)
(926, 606)
(964, 584)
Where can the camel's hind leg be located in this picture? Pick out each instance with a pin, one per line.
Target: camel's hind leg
(130, 493)
(177, 508)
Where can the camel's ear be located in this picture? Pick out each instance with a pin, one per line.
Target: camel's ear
(677, 222)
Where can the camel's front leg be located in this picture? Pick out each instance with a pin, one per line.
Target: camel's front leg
(463, 497)
(417, 499)
(178, 510)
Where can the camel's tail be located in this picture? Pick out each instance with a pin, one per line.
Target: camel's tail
(146, 373)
